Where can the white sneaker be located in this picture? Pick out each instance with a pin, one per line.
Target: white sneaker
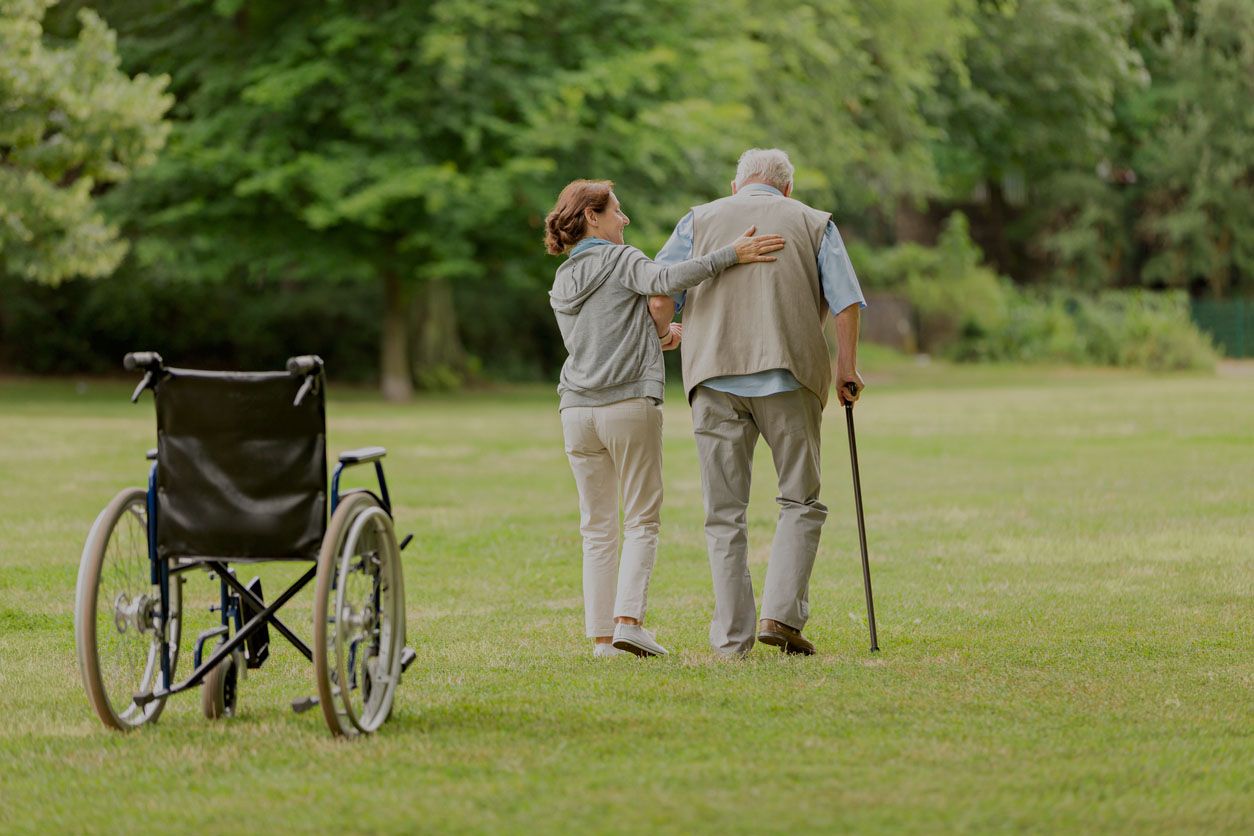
(602, 651)
(635, 639)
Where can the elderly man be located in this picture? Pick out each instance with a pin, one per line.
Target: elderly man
(755, 362)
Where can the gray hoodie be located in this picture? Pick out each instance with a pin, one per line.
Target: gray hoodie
(601, 300)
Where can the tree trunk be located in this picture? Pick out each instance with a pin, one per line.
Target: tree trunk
(1220, 276)
(394, 355)
(999, 251)
(438, 356)
(912, 225)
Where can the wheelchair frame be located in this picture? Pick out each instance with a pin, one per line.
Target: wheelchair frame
(239, 606)
(230, 607)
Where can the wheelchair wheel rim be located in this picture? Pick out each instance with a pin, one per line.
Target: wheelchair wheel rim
(123, 646)
(367, 628)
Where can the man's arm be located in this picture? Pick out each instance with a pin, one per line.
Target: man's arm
(846, 372)
(845, 300)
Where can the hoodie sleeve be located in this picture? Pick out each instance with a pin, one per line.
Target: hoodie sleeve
(639, 273)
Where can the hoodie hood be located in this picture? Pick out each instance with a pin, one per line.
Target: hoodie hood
(582, 275)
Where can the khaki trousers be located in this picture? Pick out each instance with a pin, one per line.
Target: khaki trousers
(616, 450)
(727, 429)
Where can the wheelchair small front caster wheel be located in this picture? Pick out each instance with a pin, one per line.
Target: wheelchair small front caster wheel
(219, 693)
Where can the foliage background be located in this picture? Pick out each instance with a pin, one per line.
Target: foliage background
(1061, 564)
(368, 180)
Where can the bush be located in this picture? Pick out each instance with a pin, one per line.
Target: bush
(962, 310)
(1156, 331)
(246, 323)
(1132, 329)
(87, 326)
(965, 312)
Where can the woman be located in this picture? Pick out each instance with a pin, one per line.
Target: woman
(613, 308)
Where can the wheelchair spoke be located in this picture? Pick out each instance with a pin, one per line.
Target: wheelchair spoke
(122, 654)
(125, 648)
(360, 619)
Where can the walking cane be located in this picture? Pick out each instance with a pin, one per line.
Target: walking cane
(857, 498)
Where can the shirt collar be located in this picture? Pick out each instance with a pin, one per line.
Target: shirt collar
(587, 244)
(761, 187)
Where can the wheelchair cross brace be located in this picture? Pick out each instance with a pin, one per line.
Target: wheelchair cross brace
(228, 647)
(259, 605)
(265, 613)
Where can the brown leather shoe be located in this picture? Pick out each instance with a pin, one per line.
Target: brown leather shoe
(784, 637)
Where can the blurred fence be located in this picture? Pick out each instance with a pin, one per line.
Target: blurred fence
(1230, 322)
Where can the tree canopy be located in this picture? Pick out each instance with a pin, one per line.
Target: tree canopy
(415, 147)
(71, 125)
(1195, 179)
(419, 145)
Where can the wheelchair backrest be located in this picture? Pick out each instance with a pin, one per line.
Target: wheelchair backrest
(241, 469)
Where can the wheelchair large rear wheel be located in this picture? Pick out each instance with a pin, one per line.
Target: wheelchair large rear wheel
(359, 617)
(117, 615)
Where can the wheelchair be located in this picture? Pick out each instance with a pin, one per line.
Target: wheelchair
(239, 476)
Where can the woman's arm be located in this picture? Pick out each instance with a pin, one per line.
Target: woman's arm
(648, 278)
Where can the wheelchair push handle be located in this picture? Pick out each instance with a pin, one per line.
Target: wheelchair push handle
(304, 364)
(147, 360)
(150, 362)
(308, 365)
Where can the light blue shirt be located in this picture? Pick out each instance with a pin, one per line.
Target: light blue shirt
(836, 277)
(587, 244)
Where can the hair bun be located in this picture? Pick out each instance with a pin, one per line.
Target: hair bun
(565, 225)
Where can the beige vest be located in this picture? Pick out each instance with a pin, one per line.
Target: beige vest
(756, 317)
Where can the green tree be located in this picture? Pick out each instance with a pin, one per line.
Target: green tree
(1194, 145)
(1028, 134)
(415, 145)
(841, 84)
(71, 125)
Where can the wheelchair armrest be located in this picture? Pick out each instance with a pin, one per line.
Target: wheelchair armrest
(362, 455)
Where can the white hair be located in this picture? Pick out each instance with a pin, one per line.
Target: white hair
(770, 165)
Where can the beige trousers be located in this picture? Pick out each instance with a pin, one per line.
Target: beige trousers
(616, 451)
(727, 429)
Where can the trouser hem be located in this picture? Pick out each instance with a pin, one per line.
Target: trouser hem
(797, 624)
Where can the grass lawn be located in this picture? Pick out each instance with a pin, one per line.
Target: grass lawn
(1064, 574)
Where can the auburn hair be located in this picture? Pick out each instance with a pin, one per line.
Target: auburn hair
(566, 224)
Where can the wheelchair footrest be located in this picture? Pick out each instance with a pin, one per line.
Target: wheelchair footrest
(303, 704)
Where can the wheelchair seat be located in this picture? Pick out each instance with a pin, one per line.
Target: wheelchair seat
(241, 468)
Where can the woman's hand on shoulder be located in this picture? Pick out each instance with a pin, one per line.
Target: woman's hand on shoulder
(752, 248)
